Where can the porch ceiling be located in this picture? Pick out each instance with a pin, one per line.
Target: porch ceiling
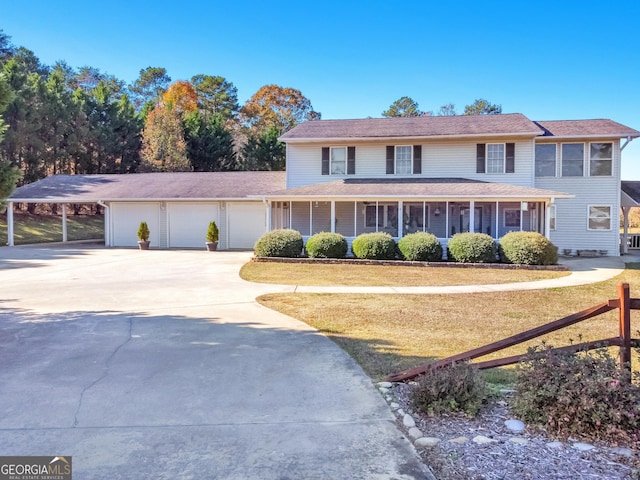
(632, 190)
(415, 187)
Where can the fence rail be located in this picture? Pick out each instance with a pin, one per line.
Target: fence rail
(624, 304)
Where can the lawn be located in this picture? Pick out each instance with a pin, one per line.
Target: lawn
(389, 333)
(383, 275)
(30, 229)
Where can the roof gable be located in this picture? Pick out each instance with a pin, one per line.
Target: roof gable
(414, 127)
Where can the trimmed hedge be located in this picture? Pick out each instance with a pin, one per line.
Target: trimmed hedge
(279, 243)
(327, 245)
(420, 247)
(472, 248)
(527, 248)
(374, 246)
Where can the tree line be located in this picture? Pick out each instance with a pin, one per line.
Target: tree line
(63, 120)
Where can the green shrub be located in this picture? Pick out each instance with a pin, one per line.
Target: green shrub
(143, 232)
(212, 232)
(279, 243)
(527, 248)
(583, 394)
(420, 247)
(374, 246)
(327, 245)
(472, 248)
(454, 388)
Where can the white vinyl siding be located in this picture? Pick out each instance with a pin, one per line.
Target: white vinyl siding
(439, 159)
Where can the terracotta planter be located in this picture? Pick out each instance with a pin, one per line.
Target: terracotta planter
(143, 244)
(211, 246)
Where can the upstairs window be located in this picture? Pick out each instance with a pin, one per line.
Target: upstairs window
(573, 159)
(546, 160)
(601, 159)
(495, 158)
(403, 160)
(338, 160)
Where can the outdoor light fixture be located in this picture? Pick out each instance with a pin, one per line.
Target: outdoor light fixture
(525, 206)
(436, 212)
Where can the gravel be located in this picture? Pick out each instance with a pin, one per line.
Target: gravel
(486, 448)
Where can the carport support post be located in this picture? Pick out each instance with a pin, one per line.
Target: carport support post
(64, 223)
(10, 224)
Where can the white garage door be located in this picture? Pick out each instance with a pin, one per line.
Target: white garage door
(247, 223)
(126, 218)
(188, 223)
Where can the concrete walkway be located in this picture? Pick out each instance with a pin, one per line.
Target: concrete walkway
(160, 364)
(583, 270)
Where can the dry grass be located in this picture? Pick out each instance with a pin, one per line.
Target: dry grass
(378, 275)
(388, 333)
(30, 229)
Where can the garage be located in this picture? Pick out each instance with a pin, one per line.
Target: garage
(188, 223)
(126, 218)
(247, 223)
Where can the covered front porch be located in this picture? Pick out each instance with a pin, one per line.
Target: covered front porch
(442, 218)
(440, 206)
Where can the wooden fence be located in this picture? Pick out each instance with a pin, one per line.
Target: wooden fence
(623, 303)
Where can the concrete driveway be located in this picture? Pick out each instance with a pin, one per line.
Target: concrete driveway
(160, 364)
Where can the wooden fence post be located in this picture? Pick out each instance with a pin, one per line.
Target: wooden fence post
(624, 315)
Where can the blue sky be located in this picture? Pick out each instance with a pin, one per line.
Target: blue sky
(547, 60)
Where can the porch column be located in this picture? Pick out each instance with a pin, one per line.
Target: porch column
(333, 216)
(64, 223)
(446, 220)
(472, 216)
(269, 225)
(496, 236)
(10, 224)
(400, 218)
(625, 235)
(310, 218)
(547, 219)
(107, 228)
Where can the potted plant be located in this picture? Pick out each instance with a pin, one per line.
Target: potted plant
(212, 237)
(143, 236)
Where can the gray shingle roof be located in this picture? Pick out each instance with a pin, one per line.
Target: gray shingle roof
(150, 186)
(586, 128)
(415, 127)
(416, 187)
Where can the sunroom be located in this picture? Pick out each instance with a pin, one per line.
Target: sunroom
(398, 207)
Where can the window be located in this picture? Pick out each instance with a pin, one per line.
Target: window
(546, 160)
(601, 159)
(386, 218)
(599, 218)
(552, 217)
(403, 160)
(573, 159)
(495, 158)
(415, 215)
(512, 217)
(338, 160)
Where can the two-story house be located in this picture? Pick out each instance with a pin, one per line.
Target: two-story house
(491, 174)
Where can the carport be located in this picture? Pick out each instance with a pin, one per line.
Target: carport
(177, 206)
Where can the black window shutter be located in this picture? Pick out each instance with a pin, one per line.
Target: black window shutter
(351, 160)
(510, 166)
(325, 160)
(417, 159)
(391, 151)
(480, 163)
